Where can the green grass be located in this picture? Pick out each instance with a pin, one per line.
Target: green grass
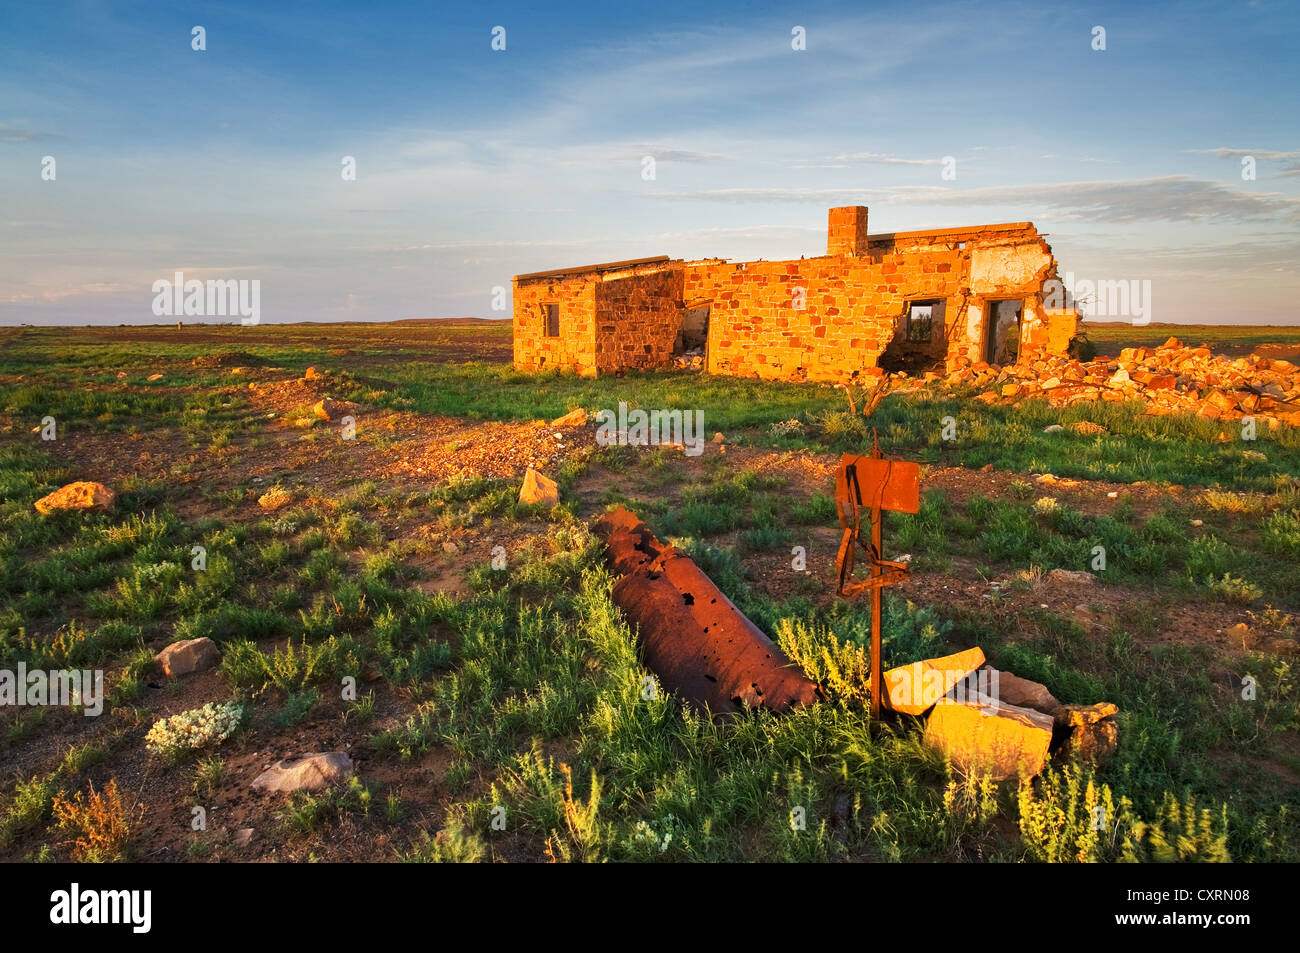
(531, 686)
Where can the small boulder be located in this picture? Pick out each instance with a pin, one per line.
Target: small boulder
(330, 409)
(188, 655)
(312, 374)
(307, 772)
(82, 495)
(1074, 716)
(574, 418)
(539, 489)
(153, 377)
(1093, 744)
(1021, 692)
(242, 837)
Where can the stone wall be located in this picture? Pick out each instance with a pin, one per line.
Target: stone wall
(837, 327)
(830, 318)
(575, 347)
(638, 316)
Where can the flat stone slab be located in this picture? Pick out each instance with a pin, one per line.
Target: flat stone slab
(911, 689)
(985, 736)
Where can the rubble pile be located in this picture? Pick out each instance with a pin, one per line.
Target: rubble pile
(691, 359)
(987, 721)
(1171, 378)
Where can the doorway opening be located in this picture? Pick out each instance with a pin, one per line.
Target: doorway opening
(1002, 337)
(692, 339)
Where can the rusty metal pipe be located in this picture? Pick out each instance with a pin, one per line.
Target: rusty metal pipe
(691, 635)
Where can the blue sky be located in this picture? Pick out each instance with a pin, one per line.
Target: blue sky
(474, 165)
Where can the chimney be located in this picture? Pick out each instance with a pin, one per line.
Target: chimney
(846, 233)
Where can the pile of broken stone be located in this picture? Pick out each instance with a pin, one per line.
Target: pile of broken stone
(992, 722)
(1171, 378)
(689, 360)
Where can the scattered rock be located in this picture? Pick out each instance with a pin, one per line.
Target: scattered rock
(330, 409)
(718, 438)
(911, 689)
(1074, 716)
(450, 547)
(312, 374)
(82, 495)
(539, 489)
(308, 772)
(187, 656)
(574, 418)
(153, 377)
(1169, 379)
(1053, 428)
(1196, 522)
(242, 837)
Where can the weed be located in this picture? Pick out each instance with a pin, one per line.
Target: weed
(101, 823)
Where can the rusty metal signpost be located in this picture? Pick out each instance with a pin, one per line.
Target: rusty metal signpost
(877, 484)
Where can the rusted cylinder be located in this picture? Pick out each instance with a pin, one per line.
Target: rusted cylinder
(691, 635)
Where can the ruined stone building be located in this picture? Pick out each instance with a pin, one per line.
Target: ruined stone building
(902, 300)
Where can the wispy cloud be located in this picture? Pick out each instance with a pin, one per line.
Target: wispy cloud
(1172, 198)
(1272, 155)
(664, 154)
(880, 158)
(10, 134)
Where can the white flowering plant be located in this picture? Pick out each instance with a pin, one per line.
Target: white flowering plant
(176, 736)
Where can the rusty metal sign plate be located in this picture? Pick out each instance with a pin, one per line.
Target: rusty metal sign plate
(869, 482)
